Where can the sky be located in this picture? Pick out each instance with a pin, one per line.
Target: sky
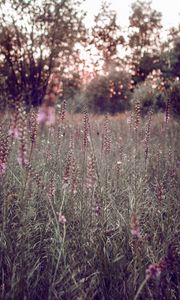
(170, 10)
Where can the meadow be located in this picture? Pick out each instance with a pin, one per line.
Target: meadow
(89, 207)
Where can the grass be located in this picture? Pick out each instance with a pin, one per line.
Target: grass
(92, 212)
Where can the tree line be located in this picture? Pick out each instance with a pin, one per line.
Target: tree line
(42, 40)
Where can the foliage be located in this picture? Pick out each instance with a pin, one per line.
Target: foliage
(148, 62)
(107, 36)
(47, 55)
(71, 90)
(36, 39)
(144, 39)
(109, 93)
(148, 98)
(170, 55)
(174, 97)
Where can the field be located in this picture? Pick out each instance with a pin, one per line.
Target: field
(89, 207)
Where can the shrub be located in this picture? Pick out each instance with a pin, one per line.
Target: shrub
(109, 93)
(174, 96)
(148, 97)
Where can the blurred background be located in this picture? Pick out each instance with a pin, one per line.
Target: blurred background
(101, 55)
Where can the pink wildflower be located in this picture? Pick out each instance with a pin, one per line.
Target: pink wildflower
(41, 117)
(2, 168)
(128, 120)
(136, 232)
(97, 210)
(61, 219)
(13, 131)
(50, 116)
(154, 270)
(22, 160)
(46, 115)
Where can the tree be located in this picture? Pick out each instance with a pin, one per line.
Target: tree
(37, 39)
(170, 67)
(71, 86)
(170, 56)
(144, 38)
(109, 93)
(107, 37)
(148, 62)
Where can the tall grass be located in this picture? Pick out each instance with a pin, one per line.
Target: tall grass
(89, 209)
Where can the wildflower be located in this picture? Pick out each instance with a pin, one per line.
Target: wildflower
(68, 169)
(13, 131)
(135, 230)
(22, 160)
(2, 168)
(91, 173)
(128, 120)
(167, 112)
(106, 146)
(63, 111)
(97, 210)
(154, 270)
(51, 188)
(50, 116)
(74, 177)
(160, 192)
(41, 117)
(147, 136)
(33, 127)
(4, 151)
(46, 116)
(23, 133)
(61, 218)
(137, 115)
(86, 131)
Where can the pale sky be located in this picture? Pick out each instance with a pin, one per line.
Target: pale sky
(170, 10)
